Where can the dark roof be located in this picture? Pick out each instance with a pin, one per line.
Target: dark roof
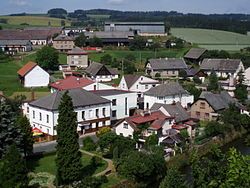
(162, 90)
(80, 98)
(174, 110)
(26, 68)
(110, 92)
(195, 53)
(14, 42)
(220, 64)
(130, 79)
(63, 38)
(77, 51)
(167, 64)
(95, 67)
(219, 101)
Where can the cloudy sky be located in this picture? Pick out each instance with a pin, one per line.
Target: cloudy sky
(193, 6)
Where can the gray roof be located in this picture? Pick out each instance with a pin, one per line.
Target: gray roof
(77, 50)
(175, 110)
(135, 23)
(110, 35)
(130, 79)
(219, 101)
(15, 42)
(110, 92)
(80, 98)
(220, 64)
(63, 38)
(167, 64)
(168, 89)
(95, 67)
(195, 53)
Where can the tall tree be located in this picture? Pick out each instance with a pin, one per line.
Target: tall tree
(173, 179)
(27, 135)
(213, 82)
(80, 41)
(9, 132)
(13, 171)
(241, 90)
(68, 161)
(95, 42)
(47, 58)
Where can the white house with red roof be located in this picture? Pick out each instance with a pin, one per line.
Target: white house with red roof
(73, 82)
(32, 75)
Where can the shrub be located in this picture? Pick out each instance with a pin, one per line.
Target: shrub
(88, 144)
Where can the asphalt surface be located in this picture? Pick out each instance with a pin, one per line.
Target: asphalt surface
(47, 147)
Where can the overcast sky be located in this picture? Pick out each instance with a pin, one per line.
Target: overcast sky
(185, 6)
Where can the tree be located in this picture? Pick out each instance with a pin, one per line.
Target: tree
(13, 171)
(103, 131)
(95, 42)
(63, 23)
(9, 132)
(173, 179)
(80, 41)
(241, 90)
(214, 128)
(129, 64)
(27, 135)
(68, 160)
(152, 140)
(183, 73)
(106, 59)
(213, 82)
(139, 43)
(88, 144)
(47, 58)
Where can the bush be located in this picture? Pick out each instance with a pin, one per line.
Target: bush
(88, 144)
(158, 75)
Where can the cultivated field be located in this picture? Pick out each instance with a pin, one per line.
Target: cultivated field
(32, 21)
(213, 39)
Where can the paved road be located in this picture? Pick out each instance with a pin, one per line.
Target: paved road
(46, 147)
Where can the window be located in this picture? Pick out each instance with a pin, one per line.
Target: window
(83, 115)
(103, 123)
(137, 87)
(198, 114)
(146, 86)
(104, 112)
(123, 85)
(173, 72)
(126, 106)
(90, 113)
(48, 131)
(28, 109)
(114, 102)
(34, 114)
(202, 105)
(153, 85)
(94, 87)
(97, 112)
(206, 115)
(97, 124)
(125, 125)
(114, 113)
(40, 116)
(47, 117)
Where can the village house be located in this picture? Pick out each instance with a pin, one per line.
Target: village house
(123, 103)
(92, 111)
(73, 82)
(194, 72)
(63, 43)
(13, 47)
(77, 57)
(101, 73)
(247, 77)
(32, 75)
(194, 55)
(165, 67)
(210, 105)
(224, 68)
(168, 93)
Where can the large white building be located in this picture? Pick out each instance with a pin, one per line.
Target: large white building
(123, 103)
(167, 94)
(92, 111)
(32, 75)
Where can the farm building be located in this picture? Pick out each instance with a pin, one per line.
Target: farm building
(14, 46)
(141, 28)
(194, 55)
(32, 75)
(77, 57)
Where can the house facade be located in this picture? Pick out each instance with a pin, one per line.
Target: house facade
(165, 67)
(32, 75)
(167, 94)
(123, 103)
(13, 47)
(63, 43)
(92, 111)
(77, 57)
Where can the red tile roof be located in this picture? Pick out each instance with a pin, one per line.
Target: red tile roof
(179, 127)
(71, 82)
(26, 68)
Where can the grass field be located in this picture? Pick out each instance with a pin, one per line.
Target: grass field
(213, 39)
(14, 21)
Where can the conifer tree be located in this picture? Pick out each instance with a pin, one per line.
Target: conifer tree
(213, 82)
(27, 136)
(13, 171)
(68, 161)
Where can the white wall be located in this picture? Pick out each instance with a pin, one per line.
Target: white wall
(126, 132)
(98, 86)
(183, 99)
(37, 77)
(39, 42)
(247, 76)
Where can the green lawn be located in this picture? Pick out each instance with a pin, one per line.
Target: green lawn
(213, 39)
(47, 164)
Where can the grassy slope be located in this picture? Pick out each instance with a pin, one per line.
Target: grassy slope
(213, 39)
(32, 21)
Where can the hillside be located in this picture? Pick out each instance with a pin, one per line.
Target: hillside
(213, 39)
